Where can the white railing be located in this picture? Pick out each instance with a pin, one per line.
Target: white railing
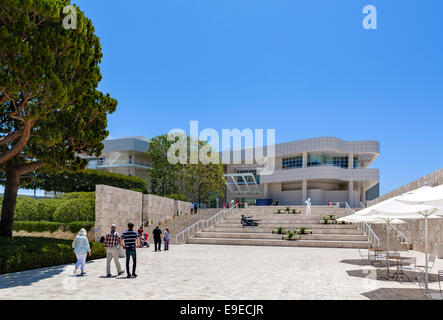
(399, 234)
(191, 230)
(373, 239)
(348, 209)
(362, 205)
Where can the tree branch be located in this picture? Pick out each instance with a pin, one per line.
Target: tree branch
(30, 167)
(11, 137)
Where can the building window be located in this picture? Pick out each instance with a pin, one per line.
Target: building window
(248, 179)
(315, 160)
(293, 162)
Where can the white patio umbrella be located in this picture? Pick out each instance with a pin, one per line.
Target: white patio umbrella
(400, 210)
(427, 196)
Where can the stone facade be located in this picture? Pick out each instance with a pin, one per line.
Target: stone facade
(115, 205)
(120, 206)
(157, 209)
(414, 229)
(433, 179)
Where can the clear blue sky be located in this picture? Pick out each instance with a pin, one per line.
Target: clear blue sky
(306, 68)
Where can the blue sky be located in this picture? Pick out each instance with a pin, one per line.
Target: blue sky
(305, 68)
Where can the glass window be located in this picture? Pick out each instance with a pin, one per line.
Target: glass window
(293, 162)
(315, 160)
(248, 179)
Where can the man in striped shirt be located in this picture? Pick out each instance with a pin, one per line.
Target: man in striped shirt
(130, 242)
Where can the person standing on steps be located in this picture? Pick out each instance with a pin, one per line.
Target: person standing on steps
(130, 241)
(157, 238)
(112, 242)
(195, 207)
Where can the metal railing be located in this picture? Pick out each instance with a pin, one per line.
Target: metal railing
(362, 205)
(373, 239)
(399, 234)
(348, 209)
(191, 230)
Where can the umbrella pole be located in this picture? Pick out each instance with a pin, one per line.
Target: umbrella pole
(426, 254)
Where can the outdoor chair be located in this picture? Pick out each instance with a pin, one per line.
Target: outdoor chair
(365, 256)
(408, 265)
(431, 262)
(421, 280)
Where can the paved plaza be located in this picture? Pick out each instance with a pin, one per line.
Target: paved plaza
(219, 272)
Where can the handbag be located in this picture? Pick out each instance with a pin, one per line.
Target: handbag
(121, 252)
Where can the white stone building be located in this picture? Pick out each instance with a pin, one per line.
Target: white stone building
(322, 169)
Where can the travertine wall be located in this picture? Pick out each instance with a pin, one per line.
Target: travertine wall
(115, 205)
(433, 179)
(59, 234)
(120, 206)
(414, 229)
(182, 206)
(157, 209)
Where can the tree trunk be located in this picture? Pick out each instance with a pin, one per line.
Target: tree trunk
(9, 201)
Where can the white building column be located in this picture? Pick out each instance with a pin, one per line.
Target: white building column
(351, 161)
(305, 159)
(350, 194)
(304, 191)
(265, 191)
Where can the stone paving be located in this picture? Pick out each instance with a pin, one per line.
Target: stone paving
(219, 272)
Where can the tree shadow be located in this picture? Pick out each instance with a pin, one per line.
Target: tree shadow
(26, 278)
(381, 275)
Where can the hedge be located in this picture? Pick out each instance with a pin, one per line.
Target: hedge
(26, 253)
(75, 210)
(42, 226)
(82, 180)
(76, 206)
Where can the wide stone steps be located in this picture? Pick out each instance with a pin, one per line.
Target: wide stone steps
(229, 231)
(315, 230)
(256, 235)
(280, 243)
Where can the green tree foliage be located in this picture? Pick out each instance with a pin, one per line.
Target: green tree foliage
(81, 180)
(196, 181)
(178, 196)
(50, 108)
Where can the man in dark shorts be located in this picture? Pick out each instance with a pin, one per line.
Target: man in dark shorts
(157, 238)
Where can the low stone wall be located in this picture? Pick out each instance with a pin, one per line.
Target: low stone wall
(157, 209)
(115, 205)
(414, 229)
(120, 206)
(182, 206)
(433, 179)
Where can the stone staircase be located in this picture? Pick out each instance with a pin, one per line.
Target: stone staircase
(231, 232)
(394, 242)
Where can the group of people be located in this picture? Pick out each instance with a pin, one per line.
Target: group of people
(128, 241)
(194, 208)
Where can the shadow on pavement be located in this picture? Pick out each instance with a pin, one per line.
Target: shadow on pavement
(396, 294)
(26, 278)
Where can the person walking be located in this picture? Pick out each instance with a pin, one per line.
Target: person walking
(167, 236)
(157, 238)
(195, 207)
(130, 241)
(81, 249)
(112, 242)
(192, 208)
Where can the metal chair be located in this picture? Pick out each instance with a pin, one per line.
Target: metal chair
(365, 256)
(431, 262)
(421, 280)
(408, 265)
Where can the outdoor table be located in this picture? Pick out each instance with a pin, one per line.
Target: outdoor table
(376, 252)
(399, 260)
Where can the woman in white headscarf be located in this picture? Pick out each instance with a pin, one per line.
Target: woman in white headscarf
(81, 249)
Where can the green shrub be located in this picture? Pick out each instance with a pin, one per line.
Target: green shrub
(76, 209)
(26, 209)
(46, 209)
(75, 227)
(138, 190)
(36, 226)
(178, 196)
(79, 195)
(25, 253)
